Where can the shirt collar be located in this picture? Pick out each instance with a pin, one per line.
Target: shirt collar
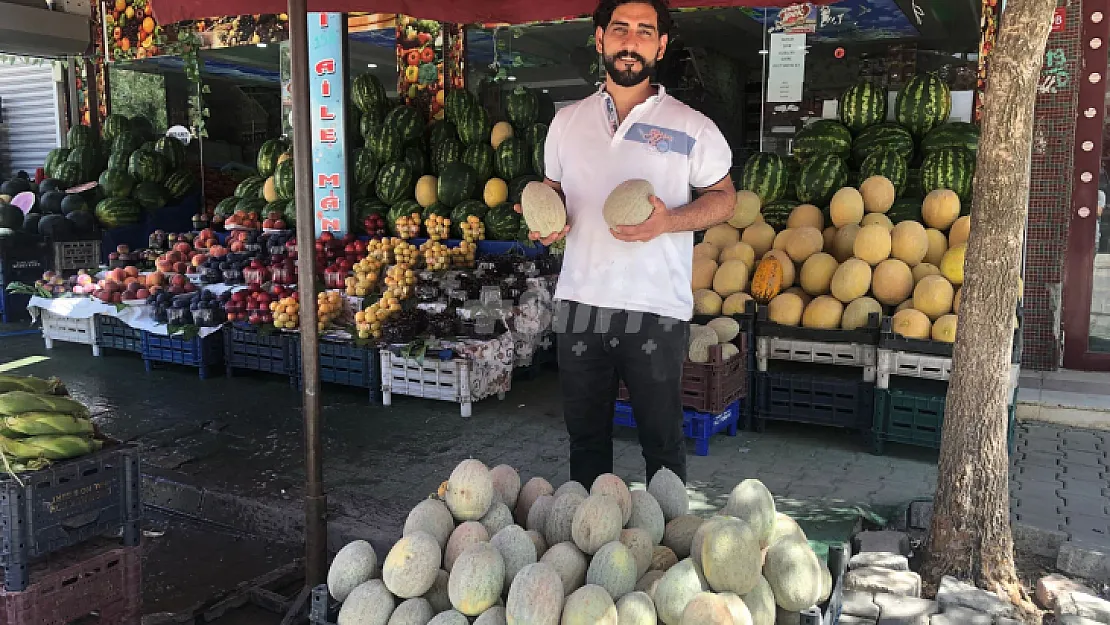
(611, 109)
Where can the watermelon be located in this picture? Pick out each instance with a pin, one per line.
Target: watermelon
(50, 184)
(367, 92)
(923, 104)
(538, 164)
(268, 155)
(284, 181)
(73, 202)
(457, 182)
(885, 136)
(250, 187)
(407, 121)
(457, 102)
(30, 221)
(180, 183)
(87, 159)
(147, 166)
(516, 186)
(55, 157)
(776, 213)
(444, 153)
(369, 119)
(50, 203)
(364, 208)
(765, 174)
(142, 127)
(172, 150)
(824, 136)
(465, 209)
(68, 174)
(862, 105)
(821, 177)
(949, 168)
(502, 223)
(440, 131)
(887, 163)
(116, 212)
(385, 142)
(395, 182)
(913, 184)
(414, 156)
(521, 107)
(905, 209)
(55, 227)
(249, 205)
(436, 210)
(149, 195)
(226, 207)
(80, 136)
(366, 167)
(513, 158)
(119, 160)
(82, 221)
(952, 135)
(480, 158)
(535, 134)
(404, 208)
(474, 127)
(126, 141)
(116, 183)
(10, 216)
(113, 126)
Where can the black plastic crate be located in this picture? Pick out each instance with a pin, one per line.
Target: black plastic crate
(24, 258)
(894, 342)
(322, 610)
(816, 394)
(867, 335)
(13, 306)
(345, 364)
(247, 347)
(912, 413)
(198, 352)
(113, 333)
(66, 504)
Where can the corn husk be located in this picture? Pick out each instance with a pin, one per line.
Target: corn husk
(50, 447)
(19, 402)
(31, 384)
(44, 423)
(12, 465)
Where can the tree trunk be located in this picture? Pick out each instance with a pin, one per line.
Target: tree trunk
(970, 536)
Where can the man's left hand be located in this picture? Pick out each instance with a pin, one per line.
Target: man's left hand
(658, 223)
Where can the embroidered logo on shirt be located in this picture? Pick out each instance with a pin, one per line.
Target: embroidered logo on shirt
(661, 140)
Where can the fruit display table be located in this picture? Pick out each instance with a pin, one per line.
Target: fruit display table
(174, 218)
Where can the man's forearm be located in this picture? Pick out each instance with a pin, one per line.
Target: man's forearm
(711, 208)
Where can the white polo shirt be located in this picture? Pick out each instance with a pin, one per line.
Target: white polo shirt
(662, 141)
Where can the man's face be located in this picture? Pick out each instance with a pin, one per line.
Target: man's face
(631, 45)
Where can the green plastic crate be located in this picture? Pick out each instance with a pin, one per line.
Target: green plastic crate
(916, 417)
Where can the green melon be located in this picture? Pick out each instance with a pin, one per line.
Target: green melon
(670, 493)
(410, 568)
(432, 516)
(416, 611)
(506, 483)
(678, 535)
(639, 543)
(516, 549)
(465, 535)
(369, 602)
(761, 603)
(794, 574)
(354, 565)
(681, 583)
(751, 502)
(477, 579)
(613, 486)
(589, 605)
(532, 490)
(785, 528)
(731, 557)
(613, 568)
(497, 517)
(557, 527)
(596, 522)
(469, 491)
(569, 563)
(535, 596)
(637, 608)
(647, 515)
(437, 595)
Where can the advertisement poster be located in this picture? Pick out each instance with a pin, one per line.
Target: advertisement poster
(786, 68)
(329, 157)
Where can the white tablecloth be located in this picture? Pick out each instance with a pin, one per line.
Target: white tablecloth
(138, 316)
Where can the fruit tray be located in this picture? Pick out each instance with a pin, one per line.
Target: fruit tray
(57, 327)
(712, 386)
(890, 341)
(816, 352)
(913, 414)
(95, 582)
(700, 426)
(867, 335)
(246, 347)
(66, 504)
(115, 334)
(202, 353)
(346, 364)
(820, 395)
(69, 256)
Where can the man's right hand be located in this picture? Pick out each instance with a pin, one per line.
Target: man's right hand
(535, 236)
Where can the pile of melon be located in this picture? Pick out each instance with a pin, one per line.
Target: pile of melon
(830, 270)
(487, 550)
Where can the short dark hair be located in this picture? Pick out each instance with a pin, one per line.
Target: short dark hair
(604, 13)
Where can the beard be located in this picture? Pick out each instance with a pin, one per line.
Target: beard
(614, 67)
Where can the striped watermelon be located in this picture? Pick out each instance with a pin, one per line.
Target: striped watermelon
(535, 134)
(905, 209)
(172, 150)
(952, 135)
(513, 158)
(147, 166)
(395, 183)
(268, 155)
(367, 92)
(863, 105)
(821, 177)
(385, 142)
(456, 183)
(68, 174)
(115, 212)
(521, 107)
(88, 160)
(415, 157)
(474, 127)
(127, 141)
(369, 119)
(407, 121)
(226, 207)
(55, 157)
(480, 157)
(913, 184)
(366, 167)
(444, 153)
(457, 102)
(539, 166)
(516, 186)
(885, 136)
(949, 168)
(824, 136)
(465, 209)
(441, 130)
(886, 163)
(776, 213)
(80, 136)
(250, 187)
(765, 174)
(113, 125)
(116, 183)
(180, 183)
(285, 182)
(793, 169)
(923, 104)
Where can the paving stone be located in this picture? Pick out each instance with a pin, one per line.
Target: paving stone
(860, 603)
(1007, 621)
(872, 579)
(1039, 444)
(1083, 604)
(960, 616)
(921, 514)
(1045, 459)
(1096, 489)
(1036, 473)
(888, 541)
(1084, 561)
(1050, 587)
(1081, 441)
(1081, 472)
(953, 592)
(848, 619)
(879, 559)
(1087, 506)
(1095, 528)
(1043, 519)
(1084, 458)
(1069, 619)
(896, 610)
(1038, 490)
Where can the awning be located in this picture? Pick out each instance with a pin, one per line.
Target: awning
(455, 11)
(33, 31)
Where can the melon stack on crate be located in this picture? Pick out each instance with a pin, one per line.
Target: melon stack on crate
(64, 491)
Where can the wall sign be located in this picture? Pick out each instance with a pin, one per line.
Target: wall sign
(787, 66)
(1059, 18)
(327, 83)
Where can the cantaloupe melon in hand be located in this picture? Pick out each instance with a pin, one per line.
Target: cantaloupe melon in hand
(960, 230)
(817, 272)
(786, 309)
(735, 304)
(703, 271)
(731, 277)
(629, 204)
(878, 194)
(803, 243)
(892, 282)
(746, 210)
(761, 236)
(952, 264)
(823, 313)
(844, 241)
(938, 245)
(806, 216)
(933, 296)
(705, 249)
(909, 243)
(857, 311)
(911, 323)
(722, 235)
(543, 209)
(739, 251)
(851, 281)
(944, 329)
(846, 207)
(872, 244)
(940, 209)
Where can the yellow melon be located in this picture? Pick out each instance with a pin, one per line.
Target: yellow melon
(844, 241)
(933, 296)
(501, 131)
(857, 311)
(956, 300)
(797, 290)
(944, 329)
(702, 277)
(269, 190)
(938, 245)
(760, 236)
(781, 238)
(803, 243)
(872, 244)
(940, 209)
(707, 302)
(786, 309)
(426, 191)
(745, 211)
(805, 215)
(739, 251)
(877, 219)
(851, 281)
(731, 277)
(705, 249)
(722, 235)
(817, 273)
(952, 264)
(788, 271)
(846, 207)
(921, 270)
(495, 193)
(911, 323)
(892, 282)
(734, 304)
(909, 243)
(904, 305)
(878, 194)
(824, 313)
(830, 235)
(960, 230)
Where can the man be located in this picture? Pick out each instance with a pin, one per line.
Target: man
(624, 299)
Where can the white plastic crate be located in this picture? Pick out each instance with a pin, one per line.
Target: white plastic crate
(57, 327)
(844, 354)
(922, 366)
(447, 380)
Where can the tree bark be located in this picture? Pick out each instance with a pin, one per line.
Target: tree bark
(970, 536)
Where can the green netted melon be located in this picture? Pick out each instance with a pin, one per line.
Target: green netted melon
(517, 551)
(415, 611)
(699, 536)
(450, 617)
(589, 605)
(613, 568)
(437, 594)
(497, 519)
(432, 516)
(492, 616)
(639, 543)
(570, 564)
(469, 491)
(613, 486)
(535, 596)
(543, 209)
(678, 535)
(677, 587)
(369, 602)
(731, 557)
(751, 502)
(647, 515)
(636, 608)
(560, 519)
(597, 521)
(506, 483)
(794, 573)
(669, 490)
(537, 514)
(476, 579)
(741, 615)
(572, 487)
(538, 541)
(785, 528)
(528, 494)
(706, 608)
(410, 568)
(465, 535)
(354, 565)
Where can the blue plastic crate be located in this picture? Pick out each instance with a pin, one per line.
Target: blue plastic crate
(113, 333)
(343, 363)
(816, 398)
(195, 352)
(13, 306)
(247, 348)
(700, 426)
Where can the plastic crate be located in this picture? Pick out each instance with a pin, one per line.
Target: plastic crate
(346, 364)
(69, 256)
(922, 366)
(890, 341)
(713, 386)
(867, 335)
(322, 609)
(700, 426)
(817, 352)
(913, 414)
(202, 353)
(829, 613)
(13, 306)
(247, 348)
(445, 380)
(88, 584)
(57, 327)
(115, 334)
(813, 397)
(65, 504)
(23, 258)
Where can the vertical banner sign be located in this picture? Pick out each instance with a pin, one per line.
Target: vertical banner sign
(286, 64)
(787, 67)
(329, 132)
(988, 31)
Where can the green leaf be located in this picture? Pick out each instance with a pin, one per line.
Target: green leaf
(121, 307)
(173, 328)
(266, 329)
(189, 332)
